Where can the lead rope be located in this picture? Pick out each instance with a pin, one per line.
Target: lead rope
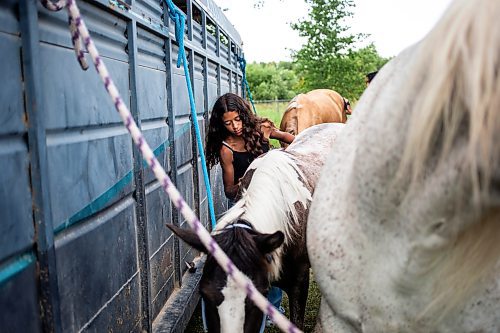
(210, 244)
(243, 66)
(179, 19)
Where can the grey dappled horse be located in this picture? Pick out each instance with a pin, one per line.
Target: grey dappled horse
(404, 229)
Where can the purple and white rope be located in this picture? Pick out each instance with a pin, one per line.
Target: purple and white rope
(75, 35)
(242, 281)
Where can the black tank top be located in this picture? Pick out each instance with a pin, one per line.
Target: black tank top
(242, 159)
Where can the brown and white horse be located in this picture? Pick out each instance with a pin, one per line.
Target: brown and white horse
(314, 107)
(404, 229)
(264, 233)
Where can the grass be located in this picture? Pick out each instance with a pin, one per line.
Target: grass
(195, 325)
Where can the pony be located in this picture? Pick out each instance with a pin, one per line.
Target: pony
(404, 229)
(264, 233)
(315, 107)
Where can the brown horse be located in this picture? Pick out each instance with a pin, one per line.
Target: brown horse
(315, 107)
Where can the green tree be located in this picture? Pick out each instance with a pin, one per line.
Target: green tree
(361, 62)
(329, 58)
(269, 81)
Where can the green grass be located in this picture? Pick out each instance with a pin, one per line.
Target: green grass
(274, 112)
(313, 300)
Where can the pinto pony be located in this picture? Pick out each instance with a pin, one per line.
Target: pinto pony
(264, 233)
(315, 107)
(413, 245)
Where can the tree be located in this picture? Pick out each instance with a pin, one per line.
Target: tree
(270, 81)
(329, 58)
(362, 62)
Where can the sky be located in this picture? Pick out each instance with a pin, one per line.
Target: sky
(392, 25)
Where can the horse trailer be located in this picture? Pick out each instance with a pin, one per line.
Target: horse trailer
(83, 242)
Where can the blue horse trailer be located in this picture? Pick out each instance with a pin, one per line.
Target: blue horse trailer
(83, 242)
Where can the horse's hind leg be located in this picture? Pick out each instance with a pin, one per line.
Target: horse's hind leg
(297, 297)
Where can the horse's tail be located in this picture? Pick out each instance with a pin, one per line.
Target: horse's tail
(289, 121)
(461, 98)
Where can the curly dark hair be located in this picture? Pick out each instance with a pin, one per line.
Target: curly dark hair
(217, 132)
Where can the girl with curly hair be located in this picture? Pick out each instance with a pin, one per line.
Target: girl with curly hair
(236, 137)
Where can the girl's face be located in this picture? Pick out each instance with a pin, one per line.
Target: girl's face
(233, 123)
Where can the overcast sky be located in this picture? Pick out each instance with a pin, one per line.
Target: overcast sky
(392, 24)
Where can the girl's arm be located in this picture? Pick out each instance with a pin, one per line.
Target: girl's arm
(226, 162)
(271, 132)
(282, 136)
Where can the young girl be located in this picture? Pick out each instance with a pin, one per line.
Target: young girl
(236, 137)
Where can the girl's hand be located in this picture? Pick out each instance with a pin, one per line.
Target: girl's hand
(271, 132)
(282, 136)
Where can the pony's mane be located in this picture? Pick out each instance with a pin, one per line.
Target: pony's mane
(269, 202)
(460, 92)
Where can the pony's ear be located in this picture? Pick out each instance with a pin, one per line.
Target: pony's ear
(188, 236)
(267, 243)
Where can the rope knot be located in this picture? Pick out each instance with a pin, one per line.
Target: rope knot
(179, 19)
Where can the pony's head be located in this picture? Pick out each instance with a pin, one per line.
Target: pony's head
(227, 307)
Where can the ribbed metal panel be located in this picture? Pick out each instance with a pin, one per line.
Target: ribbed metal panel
(224, 81)
(183, 153)
(11, 95)
(149, 9)
(18, 294)
(197, 35)
(161, 243)
(15, 197)
(9, 19)
(234, 83)
(19, 303)
(198, 84)
(224, 52)
(212, 73)
(97, 238)
(150, 47)
(211, 45)
(106, 29)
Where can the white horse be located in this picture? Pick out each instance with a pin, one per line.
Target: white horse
(404, 229)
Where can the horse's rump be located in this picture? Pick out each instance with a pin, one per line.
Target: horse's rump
(315, 107)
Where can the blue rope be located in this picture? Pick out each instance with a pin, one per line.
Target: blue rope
(179, 19)
(243, 65)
